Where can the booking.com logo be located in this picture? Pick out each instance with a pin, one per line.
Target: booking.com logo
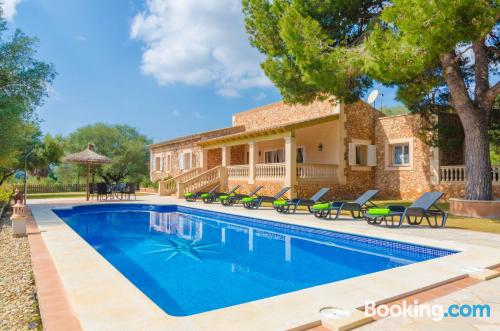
(434, 312)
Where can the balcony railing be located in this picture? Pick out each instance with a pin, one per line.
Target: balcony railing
(458, 174)
(277, 171)
(270, 171)
(237, 172)
(317, 171)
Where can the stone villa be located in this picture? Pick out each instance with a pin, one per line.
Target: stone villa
(348, 147)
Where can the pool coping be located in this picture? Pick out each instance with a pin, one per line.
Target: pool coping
(126, 305)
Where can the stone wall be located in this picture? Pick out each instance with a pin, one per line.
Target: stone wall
(359, 124)
(457, 190)
(280, 113)
(174, 150)
(184, 144)
(238, 155)
(402, 182)
(214, 158)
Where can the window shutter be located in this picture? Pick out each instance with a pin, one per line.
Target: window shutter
(187, 161)
(153, 162)
(352, 154)
(193, 160)
(372, 156)
(162, 160)
(181, 161)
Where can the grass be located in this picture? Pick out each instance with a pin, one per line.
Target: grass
(490, 225)
(63, 195)
(454, 222)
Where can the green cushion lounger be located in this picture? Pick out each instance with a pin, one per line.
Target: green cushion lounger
(357, 208)
(255, 203)
(424, 208)
(290, 206)
(191, 196)
(236, 198)
(211, 198)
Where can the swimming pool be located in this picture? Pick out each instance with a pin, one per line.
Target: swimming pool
(190, 261)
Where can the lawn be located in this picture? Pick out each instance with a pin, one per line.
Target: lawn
(456, 222)
(453, 222)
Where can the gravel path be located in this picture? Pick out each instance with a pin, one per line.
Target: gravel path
(18, 304)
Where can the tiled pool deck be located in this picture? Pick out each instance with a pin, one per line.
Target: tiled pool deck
(102, 299)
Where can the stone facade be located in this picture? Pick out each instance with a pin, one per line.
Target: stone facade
(325, 142)
(403, 182)
(270, 187)
(214, 158)
(238, 154)
(175, 147)
(173, 151)
(280, 113)
(360, 119)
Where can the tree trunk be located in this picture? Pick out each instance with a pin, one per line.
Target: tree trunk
(475, 123)
(477, 157)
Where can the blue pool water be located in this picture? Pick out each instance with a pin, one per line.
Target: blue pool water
(190, 261)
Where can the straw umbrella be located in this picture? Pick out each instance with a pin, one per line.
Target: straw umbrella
(87, 157)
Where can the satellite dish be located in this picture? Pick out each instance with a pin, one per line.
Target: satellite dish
(372, 96)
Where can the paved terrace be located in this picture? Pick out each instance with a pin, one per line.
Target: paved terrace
(124, 305)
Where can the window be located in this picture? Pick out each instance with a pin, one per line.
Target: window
(274, 156)
(188, 160)
(361, 155)
(181, 161)
(169, 162)
(157, 164)
(400, 154)
(300, 154)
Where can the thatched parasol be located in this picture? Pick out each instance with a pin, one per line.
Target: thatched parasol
(88, 157)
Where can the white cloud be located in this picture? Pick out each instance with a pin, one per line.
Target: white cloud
(198, 43)
(198, 115)
(9, 8)
(81, 38)
(176, 113)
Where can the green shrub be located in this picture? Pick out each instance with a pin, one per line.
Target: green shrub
(5, 193)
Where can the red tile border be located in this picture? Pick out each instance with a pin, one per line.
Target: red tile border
(55, 309)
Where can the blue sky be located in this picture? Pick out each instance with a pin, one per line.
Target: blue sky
(166, 67)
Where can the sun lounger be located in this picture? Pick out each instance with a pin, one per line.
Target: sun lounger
(357, 208)
(195, 196)
(256, 202)
(236, 198)
(210, 198)
(424, 208)
(290, 206)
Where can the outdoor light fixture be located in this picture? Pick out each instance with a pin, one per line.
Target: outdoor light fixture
(320, 147)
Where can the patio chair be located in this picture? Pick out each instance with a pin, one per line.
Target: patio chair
(128, 190)
(232, 199)
(102, 190)
(210, 198)
(92, 190)
(256, 202)
(195, 196)
(424, 208)
(357, 208)
(290, 206)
